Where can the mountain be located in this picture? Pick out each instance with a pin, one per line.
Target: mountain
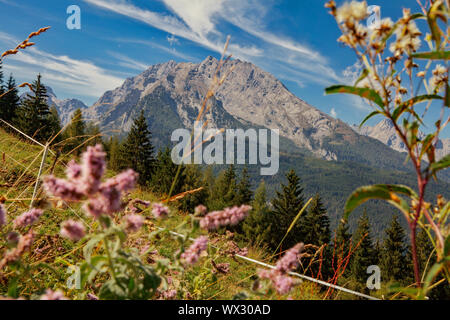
(65, 107)
(171, 95)
(384, 131)
(329, 156)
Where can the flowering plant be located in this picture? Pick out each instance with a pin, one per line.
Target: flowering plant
(394, 81)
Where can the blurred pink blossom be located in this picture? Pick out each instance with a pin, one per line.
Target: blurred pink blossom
(72, 230)
(160, 210)
(192, 254)
(28, 218)
(228, 216)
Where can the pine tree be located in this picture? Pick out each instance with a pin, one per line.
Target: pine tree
(2, 91)
(33, 114)
(114, 153)
(2, 85)
(427, 258)
(75, 133)
(286, 205)
(342, 243)
(93, 133)
(54, 124)
(365, 255)
(10, 101)
(165, 172)
(244, 192)
(256, 227)
(393, 256)
(137, 150)
(316, 225)
(194, 180)
(343, 237)
(224, 190)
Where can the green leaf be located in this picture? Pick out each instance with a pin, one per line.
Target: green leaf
(441, 164)
(293, 223)
(447, 246)
(447, 96)
(370, 116)
(365, 93)
(364, 74)
(433, 55)
(381, 191)
(409, 103)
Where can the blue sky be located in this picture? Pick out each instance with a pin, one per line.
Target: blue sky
(295, 40)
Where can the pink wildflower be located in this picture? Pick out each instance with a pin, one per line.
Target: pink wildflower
(200, 210)
(84, 183)
(73, 170)
(192, 254)
(2, 215)
(92, 296)
(28, 218)
(53, 295)
(72, 230)
(62, 189)
(93, 166)
(134, 222)
(228, 216)
(169, 294)
(279, 276)
(160, 210)
(289, 261)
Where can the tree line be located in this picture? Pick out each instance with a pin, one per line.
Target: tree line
(33, 115)
(269, 220)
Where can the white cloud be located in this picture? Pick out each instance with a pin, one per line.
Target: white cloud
(127, 62)
(74, 76)
(198, 21)
(197, 14)
(333, 113)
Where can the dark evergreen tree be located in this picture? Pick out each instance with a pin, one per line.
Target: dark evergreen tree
(364, 256)
(393, 255)
(194, 180)
(256, 227)
(316, 225)
(54, 125)
(33, 113)
(137, 150)
(93, 134)
(343, 237)
(2, 84)
(224, 190)
(244, 193)
(75, 133)
(10, 101)
(286, 205)
(427, 258)
(165, 172)
(342, 247)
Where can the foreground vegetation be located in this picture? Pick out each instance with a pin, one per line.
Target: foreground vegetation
(149, 229)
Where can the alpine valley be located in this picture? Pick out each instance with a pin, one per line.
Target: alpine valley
(331, 157)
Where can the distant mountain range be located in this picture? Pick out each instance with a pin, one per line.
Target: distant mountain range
(384, 131)
(171, 95)
(330, 156)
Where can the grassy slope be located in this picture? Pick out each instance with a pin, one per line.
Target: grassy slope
(20, 166)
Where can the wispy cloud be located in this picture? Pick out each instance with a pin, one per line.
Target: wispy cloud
(170, 50)
(127, 62)
(74, 76)
(199, 21)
